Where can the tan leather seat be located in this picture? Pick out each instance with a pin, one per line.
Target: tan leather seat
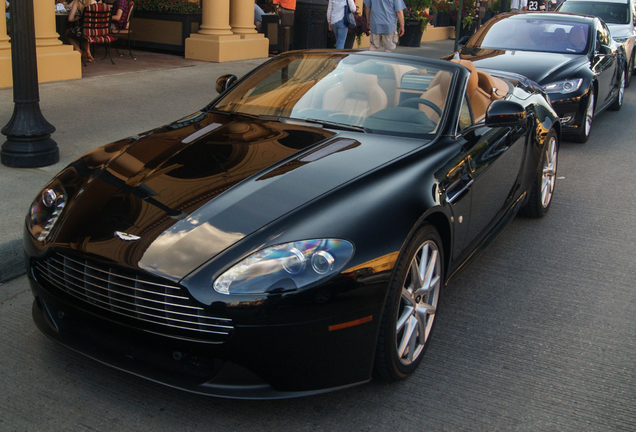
(479, 98)
(358, 95)
(437, 93)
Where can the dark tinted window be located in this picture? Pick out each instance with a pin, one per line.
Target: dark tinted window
(612, 13)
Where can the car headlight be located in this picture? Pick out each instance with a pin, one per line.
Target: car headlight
(285, 267)
(621, 39)
(567, 86)
(46, 210)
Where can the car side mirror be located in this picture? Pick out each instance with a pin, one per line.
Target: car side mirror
(224, 82)
(505, 113)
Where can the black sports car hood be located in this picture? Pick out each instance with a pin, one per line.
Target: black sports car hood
(181, 194)
(541, 67)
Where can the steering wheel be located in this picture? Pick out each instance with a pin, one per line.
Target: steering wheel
(414, 102)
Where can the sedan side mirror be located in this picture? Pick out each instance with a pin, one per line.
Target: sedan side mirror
(224, 82)
(505, 113)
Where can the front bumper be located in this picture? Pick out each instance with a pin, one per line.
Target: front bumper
(257, 362)
(571, 111)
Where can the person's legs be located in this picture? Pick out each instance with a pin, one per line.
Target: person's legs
(340, 30)
(374, 42)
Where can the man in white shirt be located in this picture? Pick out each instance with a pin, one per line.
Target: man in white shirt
(517, 5)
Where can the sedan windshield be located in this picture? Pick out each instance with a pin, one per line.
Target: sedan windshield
(611, 13)
(536, 34)
(371, 93)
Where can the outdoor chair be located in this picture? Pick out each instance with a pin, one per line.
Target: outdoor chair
(96, 20)
(124, 34)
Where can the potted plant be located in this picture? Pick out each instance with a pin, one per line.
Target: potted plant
(440, 12)
(415, 21)
(492, 10)
(164, 24)
(361, 28)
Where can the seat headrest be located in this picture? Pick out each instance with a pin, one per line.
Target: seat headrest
(359, 82)
(473, 79)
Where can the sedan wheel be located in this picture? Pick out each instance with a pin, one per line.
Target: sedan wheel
(409, 314)
(618, 102)
(541, 194)
(630, 71)
(586, 127)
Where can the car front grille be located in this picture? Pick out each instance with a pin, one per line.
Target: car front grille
(157, 305)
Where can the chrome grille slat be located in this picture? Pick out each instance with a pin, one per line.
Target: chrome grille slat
(109, 301)
(84, 264)
(143, 298)
(130, 279)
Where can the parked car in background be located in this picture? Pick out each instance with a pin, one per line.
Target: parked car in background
(572, 57)
(294, 235)
(619, 17)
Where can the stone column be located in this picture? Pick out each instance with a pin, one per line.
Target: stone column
(55, 61)
(242, 17)
(216, 40)
(6, 73)
(215, 18)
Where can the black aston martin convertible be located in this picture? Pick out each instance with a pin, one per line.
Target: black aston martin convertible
(294, 235)
(573, 57)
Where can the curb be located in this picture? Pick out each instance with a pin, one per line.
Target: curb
(11, 259)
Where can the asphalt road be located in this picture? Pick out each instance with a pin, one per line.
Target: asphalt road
(536, 335)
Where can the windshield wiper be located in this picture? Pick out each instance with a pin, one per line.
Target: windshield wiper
(335, 125)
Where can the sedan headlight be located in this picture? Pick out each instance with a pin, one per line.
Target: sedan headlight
(285, 267)
(46, 210)
(564, 87)
(621, 40)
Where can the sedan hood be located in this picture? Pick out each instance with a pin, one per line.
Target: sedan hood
(180, 195)
(541, 67)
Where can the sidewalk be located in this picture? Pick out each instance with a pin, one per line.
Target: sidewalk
(108, 104)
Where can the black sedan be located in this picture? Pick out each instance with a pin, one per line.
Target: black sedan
(294, 235)
(573, 57)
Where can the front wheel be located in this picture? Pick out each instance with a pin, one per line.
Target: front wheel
(543, 188)
(411, 306)
(586, 126)
(618, 102)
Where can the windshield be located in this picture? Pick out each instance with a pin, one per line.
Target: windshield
(536, 34)
(354, 90)
(611, 13)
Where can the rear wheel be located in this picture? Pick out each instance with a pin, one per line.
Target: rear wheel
(630, 70)
(586, 126)
(618, 102)
(411, 306)
(541, 194)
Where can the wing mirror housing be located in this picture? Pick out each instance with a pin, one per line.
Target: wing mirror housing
(224, 82)
(505, 113)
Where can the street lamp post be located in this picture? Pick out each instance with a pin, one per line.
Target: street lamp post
(29, 142)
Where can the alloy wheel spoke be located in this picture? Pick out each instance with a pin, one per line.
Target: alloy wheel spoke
(409, 333)
(406, 314)
(430, 278)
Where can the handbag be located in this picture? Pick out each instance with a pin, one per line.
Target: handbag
(349, 17)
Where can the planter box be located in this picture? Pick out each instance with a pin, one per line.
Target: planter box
(165, 31)
(412, 33)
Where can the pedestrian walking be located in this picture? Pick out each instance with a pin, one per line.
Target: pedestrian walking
(383, 16)
(335, 18)
(517, 5)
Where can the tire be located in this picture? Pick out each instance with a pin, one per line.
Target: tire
(630, 70)
(586, 127)
(618, 102)
(411, 306)
(543, 188)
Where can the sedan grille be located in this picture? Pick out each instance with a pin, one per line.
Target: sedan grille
(156, 304)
